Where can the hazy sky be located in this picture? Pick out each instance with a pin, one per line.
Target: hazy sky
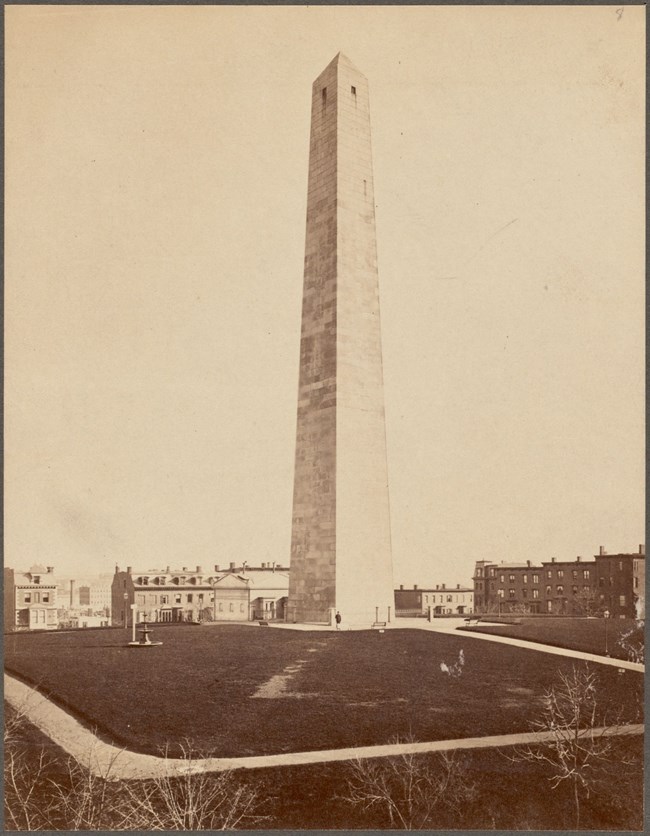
(156, 190)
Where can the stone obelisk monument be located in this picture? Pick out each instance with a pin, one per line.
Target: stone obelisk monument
(340, 544)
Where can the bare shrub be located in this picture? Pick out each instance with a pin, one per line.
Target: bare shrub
(44, 791)
(410, 789)
(187, 798)
(581, 748)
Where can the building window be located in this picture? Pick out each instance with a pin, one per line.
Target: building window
(28, 597)
(574, 574)
(324, 96)
(502, 578)
(586, 589)
(232, 608)
(549, 574)
(449, 599)
(549, 606)
(620, 565)
(560, 573)
(560, 589)
(501, 593)
(141, 600)
(241, 608)
(585, 574)
(601, 581)
(493, 573)
(511, 593)
(525, 593)
(37, 597)
(636, 582)
(511, 578)
(37, 578)
(535, 593)
(535, 578)
(525, 578)
(220, 606)
(621, 600)
(46, 597)
(189, 598)
(548, 591)
(177, 598)
(479, 573)
(574, 590)
(164, 599)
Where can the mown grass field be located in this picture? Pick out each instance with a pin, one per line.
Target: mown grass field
(591, 635)
(325, 690)
(505, 795)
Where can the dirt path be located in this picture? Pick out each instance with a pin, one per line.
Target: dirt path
(106, 760)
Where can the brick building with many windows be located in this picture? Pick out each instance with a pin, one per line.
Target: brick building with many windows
(443, 600)
(172, 595)
(30, 599)
(608, 583)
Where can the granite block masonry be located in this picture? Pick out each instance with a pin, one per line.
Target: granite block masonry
(340, 545)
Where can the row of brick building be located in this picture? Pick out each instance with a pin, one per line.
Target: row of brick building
(239, 593)
(613, 583)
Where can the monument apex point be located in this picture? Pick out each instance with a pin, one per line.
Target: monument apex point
(340, 59)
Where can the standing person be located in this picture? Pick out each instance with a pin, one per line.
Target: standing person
(337, 618)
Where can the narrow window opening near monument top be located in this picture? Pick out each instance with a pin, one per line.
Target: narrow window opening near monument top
(324, 96)
(354, 91)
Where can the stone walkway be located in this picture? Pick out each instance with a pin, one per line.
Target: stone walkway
(547, 648)
(451, 625)
(114, 763)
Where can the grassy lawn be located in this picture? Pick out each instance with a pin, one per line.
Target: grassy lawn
(323, 690)
(587, 634)
(504, 795)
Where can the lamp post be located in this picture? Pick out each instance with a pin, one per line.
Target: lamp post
(133, 606)
(606, 617)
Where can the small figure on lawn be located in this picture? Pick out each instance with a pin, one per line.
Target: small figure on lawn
(337, 618)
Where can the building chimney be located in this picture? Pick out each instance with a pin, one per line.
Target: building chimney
(601, 550)
(50, 570)
(184, 568)
(199, 570)
(117, 568)
(216, 567)
(128, 570)
(437, 586)
(167, 570)
(232, 567)
(457, 586)
(443, 586)
(641, 548)
(415, 586)
(401, 586)
(578, 558)
(528, 563)
(552, 560)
